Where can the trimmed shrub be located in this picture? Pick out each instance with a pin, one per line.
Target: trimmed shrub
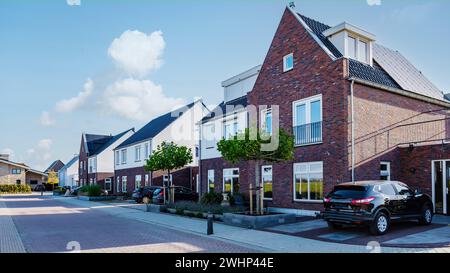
(15, 188)
(211, 198)
(91, 190)
(198, 207)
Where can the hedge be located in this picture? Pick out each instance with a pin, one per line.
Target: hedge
(15, 188)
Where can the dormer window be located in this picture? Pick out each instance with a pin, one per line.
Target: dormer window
(288, 62)
(357, 49)
(351, 47)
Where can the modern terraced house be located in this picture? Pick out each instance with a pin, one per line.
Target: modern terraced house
(357, 109)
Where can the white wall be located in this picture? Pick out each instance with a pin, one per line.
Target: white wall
(69, 176)
(212, 132)
(131, 156)
(105, 160)
(239, 89)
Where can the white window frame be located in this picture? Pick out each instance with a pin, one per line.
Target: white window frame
(358, 41)
(147, 178)
(165, 178)
(124, 184)
(262, 180)
(136, 180)
(211, 175)
(108, 182)
(308, 164)
(235, 127)
(117, 157)
(307, 102)
(285, 58)
(263, 116)
(137, 153)
(118, 184)
(232, 176)
(388, 172)
(124, 156)
(146, 152)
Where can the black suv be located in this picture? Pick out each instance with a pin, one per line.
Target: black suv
(376, 204)
(144, 194)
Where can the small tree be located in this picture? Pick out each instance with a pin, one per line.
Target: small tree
(53, 179)
(168, 157)
(246, 147)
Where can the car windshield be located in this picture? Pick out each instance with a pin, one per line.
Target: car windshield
(346, 192)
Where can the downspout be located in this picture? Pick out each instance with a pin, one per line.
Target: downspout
(200, 159)
(353, 129)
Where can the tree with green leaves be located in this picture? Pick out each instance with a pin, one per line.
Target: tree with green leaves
(168, 157)
(257, 146)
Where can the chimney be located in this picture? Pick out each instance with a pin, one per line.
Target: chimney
(4, 156)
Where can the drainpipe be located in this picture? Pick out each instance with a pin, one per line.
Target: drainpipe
(200, 160)
(353, 130)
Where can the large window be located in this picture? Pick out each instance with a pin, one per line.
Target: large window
(147, 151)
(16, 171)
(146, 180)
(117, 157)
(308, 181)
(385, 171)
(124, 156)
(358, 49)
(118, 184)
(210, 180)
(124, 184)
(352, 45)
(231, 180)
(230, 128)
(108, 184)
(266, 121)
(266, 176)
(137, 153)
(137, 182)
(307, 120)
(362, 51)
(288, 62)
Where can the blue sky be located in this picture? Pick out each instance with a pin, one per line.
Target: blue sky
(63, 66)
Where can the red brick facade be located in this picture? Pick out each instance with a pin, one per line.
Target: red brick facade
(379, 117)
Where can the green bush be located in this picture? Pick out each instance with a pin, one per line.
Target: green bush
(91, 190)
(15, 188)
(211, 198)
(201, 208)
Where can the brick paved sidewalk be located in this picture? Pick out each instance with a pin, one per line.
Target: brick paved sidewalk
(10, 241)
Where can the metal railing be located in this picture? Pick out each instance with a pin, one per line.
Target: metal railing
(308, 133)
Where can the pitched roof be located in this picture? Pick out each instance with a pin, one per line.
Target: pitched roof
(70, 163)
(22, 165)
(99, 143)
(390, 68)
(55, 166)
(225, 108)
(155, 126)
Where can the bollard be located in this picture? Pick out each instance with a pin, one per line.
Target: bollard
(210, 224)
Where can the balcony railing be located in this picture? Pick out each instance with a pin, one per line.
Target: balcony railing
(308, 133)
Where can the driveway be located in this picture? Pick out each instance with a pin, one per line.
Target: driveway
(405, 235)
(49, 225)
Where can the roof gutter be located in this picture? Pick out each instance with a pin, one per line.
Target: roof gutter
(401, 92)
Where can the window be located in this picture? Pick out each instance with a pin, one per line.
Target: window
(385, 171)
(230, 128)
(352, 47)
(266, 176)
(118, 184)
(16, 171)
(146, 152)
(124, 156)
(402, 189)
(308, 180)
(137, 153)
(108, 184)
(362, 51)
(288, 62)
(210, 180)
(91, 181)
(124, 184)
(266, 121)
(137, 182)
(146, 180)
(196, 151)
(166, 180)
(117, 157)
(231, 180)
(385, 189)
(307, 115)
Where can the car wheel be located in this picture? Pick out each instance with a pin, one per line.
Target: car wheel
(380, 224)
(334, 226)
(146, 200)
(426, 216)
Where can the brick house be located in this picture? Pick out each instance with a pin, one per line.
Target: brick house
(96, 158)
(357, 111)
(179, 126)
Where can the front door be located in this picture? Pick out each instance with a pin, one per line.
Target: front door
(441, 185)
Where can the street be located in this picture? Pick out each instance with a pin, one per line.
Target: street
(49, 225)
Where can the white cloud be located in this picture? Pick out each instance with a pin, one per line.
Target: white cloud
(73, 2)
(373, 2)
(40, 156)
(74, 103)
(46, 119)
(138, 53)
(138, 99)
(45, 144)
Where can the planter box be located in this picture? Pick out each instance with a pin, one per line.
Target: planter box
(155, 208)
(263, 221)
(96, 198)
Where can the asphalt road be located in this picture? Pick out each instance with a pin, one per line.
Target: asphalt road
(49, 225)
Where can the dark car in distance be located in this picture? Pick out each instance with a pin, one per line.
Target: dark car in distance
(39, 187)
(181, 194)
(376, 204)
(144, 194)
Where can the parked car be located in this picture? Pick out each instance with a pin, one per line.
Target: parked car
(144, 194)
(39, 187)
(376, 204)
(75, 190)
(181, 194)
